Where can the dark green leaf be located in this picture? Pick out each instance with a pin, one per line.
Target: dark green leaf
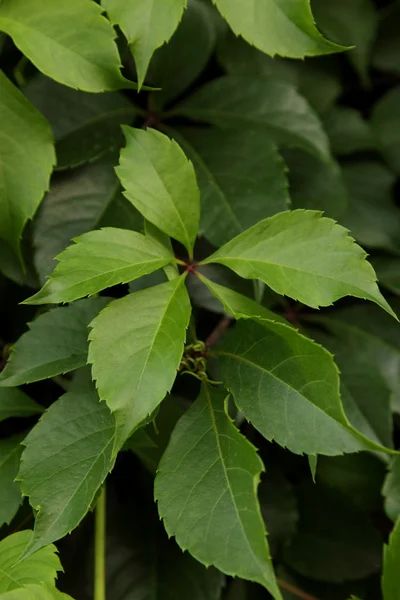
(206, 491)
(348, 131)
(68, 454)
(385, 124)
(14, 403)
(386, 55)
(259, 103)
(10, 493)
(391, 558)
(388, 271)
(56, 343)
(391, 490)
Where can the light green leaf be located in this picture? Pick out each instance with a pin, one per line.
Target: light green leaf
(35, 592)
(16, 570)
(315, 184)
(277, 28)
(206, 492)
(70, 41)
(146, 25)
(68, 455)
(305, 256)
(350, 22)
(160, 182)
(98, 260)
(385, 123)
(391, 559)
(136, 345)
(40, 354)
(10, 493)
(84, 126)
(372, 217)
(391, 490)
(348, 132)
(152, 232)
(236, 304)
(259, 103)
(288, 387)
(241, 178)
(14, 403)
(27, 158)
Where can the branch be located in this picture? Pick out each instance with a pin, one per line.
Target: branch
(294, 590)
(215, 335)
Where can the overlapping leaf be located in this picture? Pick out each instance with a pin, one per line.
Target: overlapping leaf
(391, 490)
(15, 403)
(69, 41)
(391, 558)
(10, 493)
(98, 260)
(136, 345)
(305, 256)
(68, 454)
(39, 353)
(26, 155)
(206, 492)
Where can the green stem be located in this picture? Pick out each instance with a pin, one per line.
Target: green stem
(100, 547)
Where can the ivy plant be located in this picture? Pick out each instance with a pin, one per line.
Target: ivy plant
(200, 375)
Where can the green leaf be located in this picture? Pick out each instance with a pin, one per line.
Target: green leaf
(387, 47)
(373, 217)
(140, 337)
(35, 592)
(391, 558)
(40, 354)
(98, 260)
(288, 387)
(241, 178)
(152, 232)
(259, 103)
(160, 182)
(206, 492)
(10, 493)
(391, 490)
(173, 70)
(14, 403)
(145, 26)
(350, 22)
(315, 184)
(305, 256)
(84, 126)
(388, 271)
(336, 541)
(284, 28)
(81, 54)
(385, 124)
(236, 304)
(25, 164)
(348, 131)
(68, 454)
(17, 570)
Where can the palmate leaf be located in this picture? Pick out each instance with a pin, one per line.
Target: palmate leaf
(68, 455)
(40, 354)
(146, 24)
(288, 387)
(305, 256)
(27, 158)
(15, 403)
(160, 182)
(98, 260)
(69, 41)
(277, 27)
(241, 176)
(136, 346)
(206, 492)
(10, 493)
(391, 559)
(263, 103)
(17, 571)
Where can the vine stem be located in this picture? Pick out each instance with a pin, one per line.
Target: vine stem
(294, 590)
(100, 547)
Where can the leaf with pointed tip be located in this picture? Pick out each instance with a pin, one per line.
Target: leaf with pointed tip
(160, 182)
(85, 126)
(391, 490)
(206, 492)
(136, 346)
(305, 256)
(14, 403)
(68, 455)
(98, 260)
(288, 387)
(25, 164)
(146, 25)
(241, 176)
(69, 41)
(391, 559)
(273, 106)
(10, 493)
(385, 125)
(17, 570)
(274, 27)
(39, 354)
